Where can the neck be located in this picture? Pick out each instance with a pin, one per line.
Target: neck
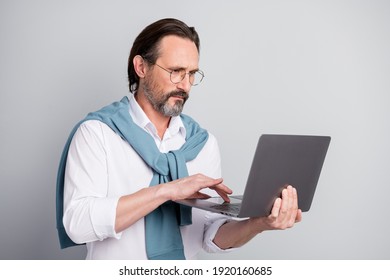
(160, 121)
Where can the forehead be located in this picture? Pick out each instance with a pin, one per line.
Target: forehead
(178, 52)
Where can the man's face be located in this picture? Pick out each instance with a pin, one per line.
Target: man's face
(166, 97)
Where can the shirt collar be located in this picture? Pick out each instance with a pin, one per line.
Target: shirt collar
(141, 119)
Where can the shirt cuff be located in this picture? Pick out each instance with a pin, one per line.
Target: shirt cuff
(211, 228)
(103, 215)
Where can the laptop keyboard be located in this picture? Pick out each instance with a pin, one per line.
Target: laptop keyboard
(227, 207)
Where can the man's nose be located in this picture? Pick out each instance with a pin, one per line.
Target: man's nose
(185, 84)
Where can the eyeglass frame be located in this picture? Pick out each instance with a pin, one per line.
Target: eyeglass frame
(183, 76)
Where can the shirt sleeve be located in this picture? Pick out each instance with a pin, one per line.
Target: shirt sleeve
(213, 223)
(89, 215)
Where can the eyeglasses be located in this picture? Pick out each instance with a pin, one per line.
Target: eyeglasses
(177, 76)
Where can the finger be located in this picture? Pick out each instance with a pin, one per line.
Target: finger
(224, 196)
(227, 189)
(285, 212)
(210, 182)
(290, 192)
(295, 197)
(294, 208)
(221, 187)
(285, 202)
(291, 211)
(217, 183)
(276, 208)
(223, 191)
(299, 216)
(295, 201)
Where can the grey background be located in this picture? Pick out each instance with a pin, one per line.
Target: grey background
(300, 67)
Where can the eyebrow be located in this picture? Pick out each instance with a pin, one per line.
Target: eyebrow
(183, 68)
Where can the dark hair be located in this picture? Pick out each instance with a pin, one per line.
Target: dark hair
(147, 43)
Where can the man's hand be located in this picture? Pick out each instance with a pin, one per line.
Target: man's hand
(137, 205)
(284, 213)
(190, 187)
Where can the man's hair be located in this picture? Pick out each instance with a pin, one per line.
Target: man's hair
(148, 41)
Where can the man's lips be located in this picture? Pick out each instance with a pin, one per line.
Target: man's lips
(178, 96)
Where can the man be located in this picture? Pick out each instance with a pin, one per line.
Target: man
(125, 165)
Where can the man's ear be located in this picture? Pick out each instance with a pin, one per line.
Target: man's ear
(140, 66)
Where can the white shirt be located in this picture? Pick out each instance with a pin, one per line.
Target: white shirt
(101, 167)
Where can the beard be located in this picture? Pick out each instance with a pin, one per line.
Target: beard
(160, 100)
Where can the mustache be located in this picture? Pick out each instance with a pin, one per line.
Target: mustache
(182, 94)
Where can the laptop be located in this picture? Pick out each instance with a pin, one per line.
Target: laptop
(279, 160)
